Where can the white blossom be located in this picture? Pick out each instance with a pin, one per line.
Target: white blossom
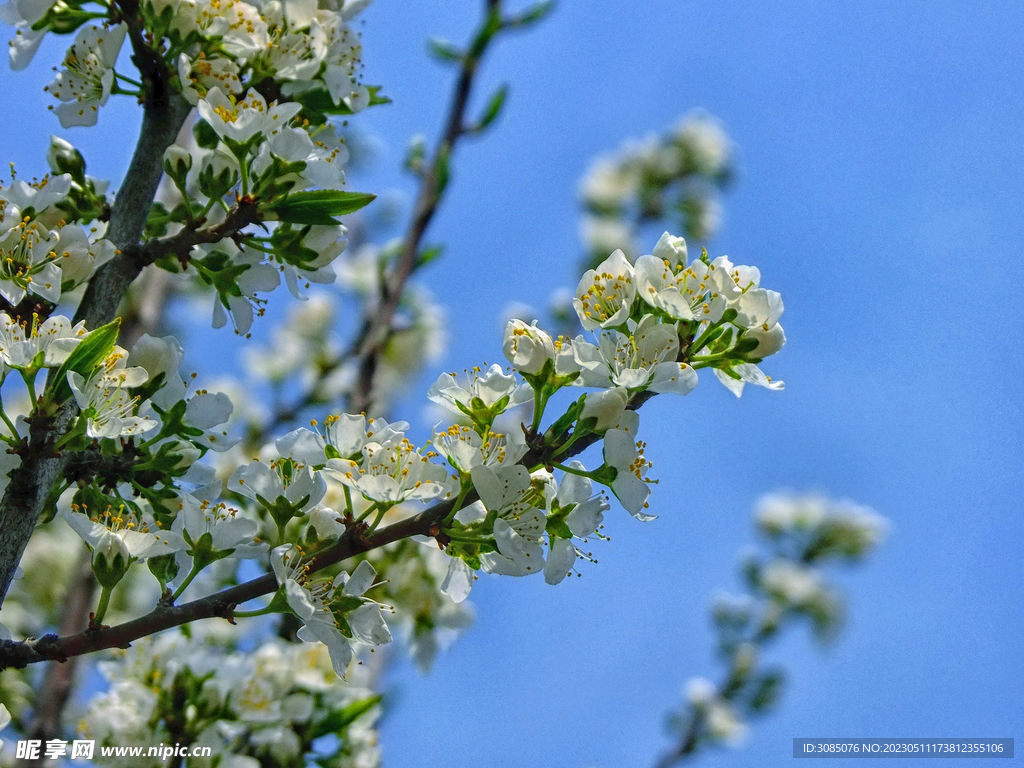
(120, 531)
(605, 295)
(630, 483)
(529, 348)
(259, 480)
(55, 338)
(391, 473)
(22, 15)
(198, 76)
(311, 600)
(85, 83)
(229, 530)
(241, 120)
(481, 392)
(644, 359)
(104, 399)
(464, 448)
(582, 512)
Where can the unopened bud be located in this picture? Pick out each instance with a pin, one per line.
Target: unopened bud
(110, 560)
(64, 158)
(218, 174)
(177, 163)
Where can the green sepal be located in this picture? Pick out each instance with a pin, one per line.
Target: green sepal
(605, 475)
(745, 345)
(279, 603)
(62, 20)
(109, 574)
(205, 136)
(281, 510)
(343, 603)
(556, 527)
(203, 553)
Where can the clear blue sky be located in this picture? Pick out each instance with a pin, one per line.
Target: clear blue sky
(880, 189)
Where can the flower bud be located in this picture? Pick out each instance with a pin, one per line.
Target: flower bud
(768, 342)
(671, 249)
(604, 408)
(64, 158)
(177, 163)
(110, 560)
(218, 174)
(527, 347)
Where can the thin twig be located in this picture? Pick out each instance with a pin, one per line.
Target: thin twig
(376, 330)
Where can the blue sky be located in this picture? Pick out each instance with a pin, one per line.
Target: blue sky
(879, 188)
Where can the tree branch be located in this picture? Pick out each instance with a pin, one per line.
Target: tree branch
(41, 465)
(246, 212)
(376, 329)
(222, 604)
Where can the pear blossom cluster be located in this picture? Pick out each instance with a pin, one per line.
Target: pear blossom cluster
(264, 153)
(805, 533)
(267, 706)
(672, 176)
(42, 253)
(519, 501)
(265, 79)
(310, 53)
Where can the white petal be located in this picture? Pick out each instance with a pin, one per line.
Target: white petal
(458, 581)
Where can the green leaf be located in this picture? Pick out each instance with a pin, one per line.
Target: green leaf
(532, 14)
(91, 352)
(428, 255)
(318, 104)
(342, 718)
(318, 206)
(493, 108)
(444, 50)
(766, 690)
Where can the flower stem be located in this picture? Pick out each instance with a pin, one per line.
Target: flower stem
(457, 505)
(572, 470)
(251, 614)
(540, 402)
(188, 580)
(30, 384)
(14, 431)
(101, 609)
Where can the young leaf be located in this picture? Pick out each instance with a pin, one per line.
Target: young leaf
(318, 206)
(91, 352)
(493, 109)
(444, 50)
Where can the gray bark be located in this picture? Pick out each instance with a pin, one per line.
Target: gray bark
(42, 466)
